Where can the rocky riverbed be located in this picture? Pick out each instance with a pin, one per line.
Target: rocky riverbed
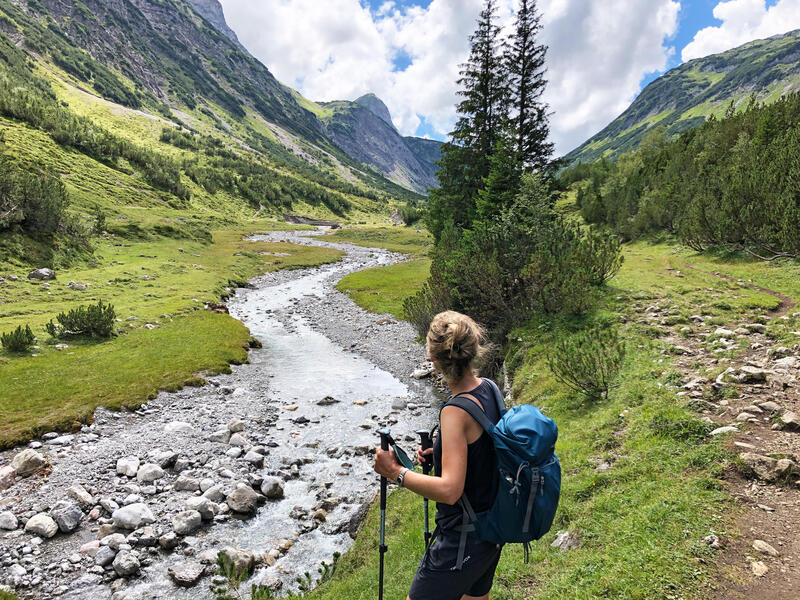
(269, 465)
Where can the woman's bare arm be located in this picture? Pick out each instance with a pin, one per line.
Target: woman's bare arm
(450, 486)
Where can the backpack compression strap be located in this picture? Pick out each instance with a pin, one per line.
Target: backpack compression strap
(468, 514)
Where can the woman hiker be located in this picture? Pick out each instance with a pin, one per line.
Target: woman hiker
(464, 463)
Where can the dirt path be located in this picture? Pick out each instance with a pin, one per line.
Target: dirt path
(757, 397)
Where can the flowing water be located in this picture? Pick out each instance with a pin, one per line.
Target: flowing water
(302, 365)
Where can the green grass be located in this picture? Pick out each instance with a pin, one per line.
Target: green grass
(57, 389)
(407, 240)
(383, 289)
(642, 521)
(7, 595)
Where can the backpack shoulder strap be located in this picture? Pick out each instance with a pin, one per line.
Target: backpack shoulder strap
(474, 411)
(498, 397)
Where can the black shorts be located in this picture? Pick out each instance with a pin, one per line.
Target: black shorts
(437, 579)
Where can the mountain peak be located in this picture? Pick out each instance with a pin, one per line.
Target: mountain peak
(376, 106)
(211, 11)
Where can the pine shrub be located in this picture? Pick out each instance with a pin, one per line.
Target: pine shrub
(19, 340)
(588, 361)
(95, 320)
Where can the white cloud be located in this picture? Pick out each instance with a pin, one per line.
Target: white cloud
(743, 21)
(338, 49)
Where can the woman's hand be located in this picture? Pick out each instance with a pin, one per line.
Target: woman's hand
(421, 454)
(386, 464)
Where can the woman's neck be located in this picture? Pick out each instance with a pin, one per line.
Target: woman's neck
(465, 384)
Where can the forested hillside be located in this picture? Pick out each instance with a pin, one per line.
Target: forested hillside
(153, 91)
(685, 96)
(734, 182)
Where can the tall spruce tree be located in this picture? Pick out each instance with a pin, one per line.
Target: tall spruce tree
(483, 113)
(525, 61)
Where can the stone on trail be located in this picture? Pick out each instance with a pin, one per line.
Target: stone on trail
(722, 332)
(566, 540)
(133, 516)
(128, 466)
(8, 522)
(149, 472)
(243, 561)
(67, 516)
(750, 374)
(186, 522)
(759, 568)
(767, 468)
(790, 421)
(765, 548)
(786, 364)
(272, 488)
(178, 427)
(770, 406)
(126, 564)
(743, 417)
(42, 274)
(186, 574)
(78, 493)
(27, 462)
(42, 525)
(725, 429)
(243, 500)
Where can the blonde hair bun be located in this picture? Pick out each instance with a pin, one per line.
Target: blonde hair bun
(455, 341)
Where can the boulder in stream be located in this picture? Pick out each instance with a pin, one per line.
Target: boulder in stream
(186, 574)
(243, 500)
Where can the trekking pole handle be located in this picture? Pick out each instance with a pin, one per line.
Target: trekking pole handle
(426, 443)
(384, 433)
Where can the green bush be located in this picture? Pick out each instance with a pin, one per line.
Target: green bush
(588, 361)
(95, 320)
(528, 259)
(411, 214)
(19, 340)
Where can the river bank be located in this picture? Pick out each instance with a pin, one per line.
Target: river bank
(222, 449)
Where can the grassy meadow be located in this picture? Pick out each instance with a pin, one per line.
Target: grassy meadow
(383, 289)
(157, 288)
(642, 520)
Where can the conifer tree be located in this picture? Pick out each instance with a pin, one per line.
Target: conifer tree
(525, 61)
(482, 116)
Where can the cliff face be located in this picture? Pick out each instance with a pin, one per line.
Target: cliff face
(685, 96)
(211, 11)
(366, 133)
(180, 56)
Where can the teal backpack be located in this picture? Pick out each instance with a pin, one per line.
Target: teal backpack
(529, 480)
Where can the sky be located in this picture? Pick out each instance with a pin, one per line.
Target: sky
(407, 52)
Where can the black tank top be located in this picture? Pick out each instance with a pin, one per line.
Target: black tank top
(481, 481)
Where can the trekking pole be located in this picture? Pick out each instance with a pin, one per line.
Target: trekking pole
(427, 463)
(384, 433)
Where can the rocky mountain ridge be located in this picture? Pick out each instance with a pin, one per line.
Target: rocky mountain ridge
(685, 96)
